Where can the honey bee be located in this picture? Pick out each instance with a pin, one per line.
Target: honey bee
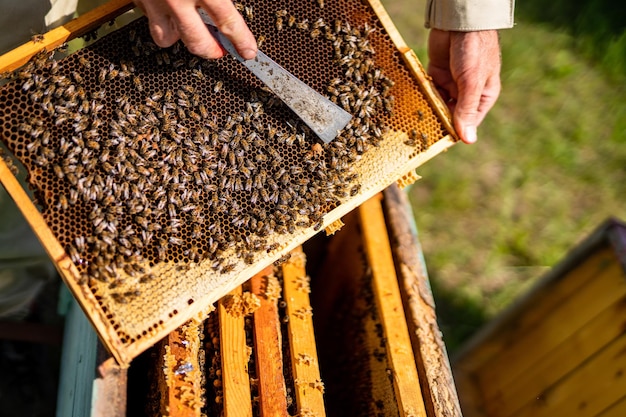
(119, 298)
(176, 241)
(147, 278)
(218, 87)
(282, 259)
(193, 62)
(37, 38)
(77, 77)
(137, 83)
(198, 74)
(102, 76)
(165, 57)
(28, 83)
(193, 115)
(58, 170)
(74, 255)
(188, 88)
(279, 23)
(249, 12)
(304, 25)
(319, 23)
(113, 72)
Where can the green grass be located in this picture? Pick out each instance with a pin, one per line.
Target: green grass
(550, 165)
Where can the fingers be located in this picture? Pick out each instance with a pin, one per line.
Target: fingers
(465, 67)
(475, 67)
(439, 49)
(230, 22)
(195, 35)
(466, 113)
(490, 95)
(171, 20)
(439, 63)
(162, 28)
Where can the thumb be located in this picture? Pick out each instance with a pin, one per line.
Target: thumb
(466, 116)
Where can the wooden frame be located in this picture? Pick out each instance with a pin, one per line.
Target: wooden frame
(429, 350)
(124, 352)
(419, 375)
(559, 348)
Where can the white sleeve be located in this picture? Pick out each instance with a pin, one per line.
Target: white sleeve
(60, 12)
(469, 15)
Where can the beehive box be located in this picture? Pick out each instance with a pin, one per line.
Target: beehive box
(376, 349)
(560, 350)
(163, 181)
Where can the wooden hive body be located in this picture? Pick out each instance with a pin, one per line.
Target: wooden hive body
(559, 350)
(364, 341)
(140, 270)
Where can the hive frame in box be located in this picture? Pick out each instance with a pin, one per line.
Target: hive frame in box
(121, 349)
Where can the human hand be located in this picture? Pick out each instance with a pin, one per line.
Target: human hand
(171, 20)
(465, 67)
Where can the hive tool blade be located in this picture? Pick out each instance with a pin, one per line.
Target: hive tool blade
(321, 115)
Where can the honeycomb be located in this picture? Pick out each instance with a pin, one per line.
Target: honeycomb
(168, 178)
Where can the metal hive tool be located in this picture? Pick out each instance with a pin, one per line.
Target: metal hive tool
(323, 117)
(164, 180)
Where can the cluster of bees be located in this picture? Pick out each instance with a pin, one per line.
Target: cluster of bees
(173, 167)
(363, 90)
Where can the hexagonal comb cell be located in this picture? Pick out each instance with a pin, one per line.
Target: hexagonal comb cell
(167, 177)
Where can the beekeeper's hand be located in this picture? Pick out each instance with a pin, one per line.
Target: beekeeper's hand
(171, 20)
(465, 67)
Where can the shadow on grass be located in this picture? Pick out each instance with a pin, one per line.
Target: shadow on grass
(458, 316)
(599, 27)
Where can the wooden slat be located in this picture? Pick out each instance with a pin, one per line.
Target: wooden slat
(234, 356)
(179, 380)
(302, 348)
(558, 362)
(470, 396)
(588, 390)
(389, 305)
(535, 305)
(564, 287)
(351, 338)
(110, 386)
(123, 351)
(268, 351)
(35, 220)
(56, 37)
(564, 320)
(615, 410)
(428, 347)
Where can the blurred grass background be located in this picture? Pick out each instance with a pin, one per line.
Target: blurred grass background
(549, 166)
